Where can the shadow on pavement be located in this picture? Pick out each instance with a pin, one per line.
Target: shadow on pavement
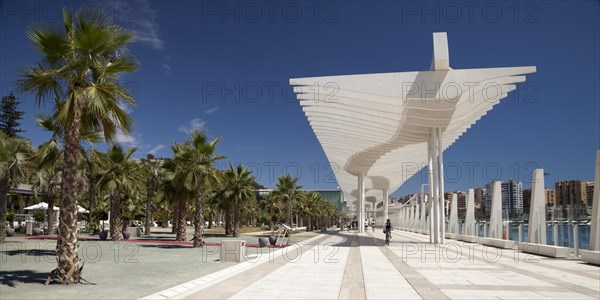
(10, 278)
(165, 246)
(30, 252)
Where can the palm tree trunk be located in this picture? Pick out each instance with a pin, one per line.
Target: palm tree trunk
(50, 200)
(165, 219)
(175, 217)
(199, 219)
(116, 225)
(228, 221)
(236, 221)
(309, 224)
(150, 193)
(288, 212)
(180, 233)
(92, 198)
(66, 246)
(3, 195)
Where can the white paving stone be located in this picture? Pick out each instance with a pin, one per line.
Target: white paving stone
(304, 278)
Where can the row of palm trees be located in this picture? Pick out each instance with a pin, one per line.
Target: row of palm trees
(79, 72)
(114, 183)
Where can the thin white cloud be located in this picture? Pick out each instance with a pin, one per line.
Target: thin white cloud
(190, 126)
(147, 29)
(129, 141)
(156, 149)
(167, 68)
(212, 110)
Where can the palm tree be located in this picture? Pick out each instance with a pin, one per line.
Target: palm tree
(175, 191)
(306, 207)
(195, 163)
(272, 206)
(237, 193)
(153, 170)
(288, 192)
(48, 182)
(119, 174)
(81, 61)
(13, 158)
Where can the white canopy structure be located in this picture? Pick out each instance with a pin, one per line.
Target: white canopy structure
(380, 129)
(44, 206)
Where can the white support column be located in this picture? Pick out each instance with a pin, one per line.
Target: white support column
(537, 212)
(410, 217)
(453, 223)
(433, 189)
(385, 206)
(496, 211)
(470, 216)
(442, 203)
(361, 203)
(416, 217)
(422, 224)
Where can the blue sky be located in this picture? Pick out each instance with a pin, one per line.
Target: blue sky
(224, 68)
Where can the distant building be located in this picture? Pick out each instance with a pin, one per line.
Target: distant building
(512, 196)
(479, 200)
(461, 202)
(571, 193)
(589, 189)
(550, 198)
(334, 197)
(405, 198)
(526, 200)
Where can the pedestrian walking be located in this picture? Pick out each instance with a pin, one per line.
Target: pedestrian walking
(387, 229)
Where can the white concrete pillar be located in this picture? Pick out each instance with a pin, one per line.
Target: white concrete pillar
(442, 203)
(537, 211)
(470, 215)
(453, 223)
(496, 211)
(411, 216)
(595, 231)
(433, 189)
(361, 203)
(385, 206)
(416, 217)
(422, 223)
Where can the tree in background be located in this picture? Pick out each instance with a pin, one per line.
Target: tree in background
(119, 175)
(13, 159)
(10, 115)
(287, 191)
(237, 194)
(152, 170)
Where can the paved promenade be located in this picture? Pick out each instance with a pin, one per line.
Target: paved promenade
(358, 266)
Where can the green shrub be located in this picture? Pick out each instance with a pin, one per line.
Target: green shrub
(10, 216)
(39, 216)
